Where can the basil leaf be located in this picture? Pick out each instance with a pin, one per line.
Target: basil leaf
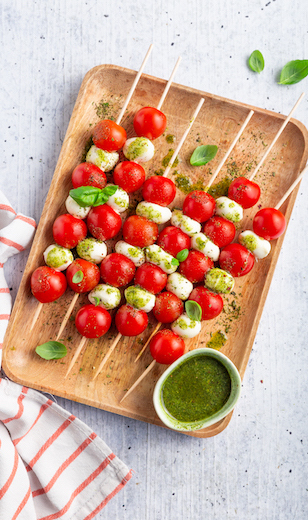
(104, 195)
(193, 310)
(78, 276)
(256, 61)
(51, 350)
(174, 261)
(85, 195)
(293, 72)
(203, 154)
(97, 300)
(182, 255)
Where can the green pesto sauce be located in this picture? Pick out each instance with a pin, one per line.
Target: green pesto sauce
(137, 148)
(161, 171)
(250, 242)
(220, 189)
(167, 158)
(185, 185)
(170, 138)
(58, 257)
(196, 389)
(217, 340)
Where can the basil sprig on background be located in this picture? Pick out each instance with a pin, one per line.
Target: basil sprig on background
(51, 350)
(193, 310)
(92, 196)
(203, 154)
(293, 72)
(256, 61)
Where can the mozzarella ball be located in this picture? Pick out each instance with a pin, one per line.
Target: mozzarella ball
(105, 296)
(138, 149)
(179, 285)
(139, 298)
(219, 281)
(106, 161)
(229, 209)
(156, 255)
(186, 224)
(92, 250)
(119, 201)
(74, 209)
(57, 257)
(154, 212)
(259, 247)
(135, 254)
(185, 327)
(200, 242)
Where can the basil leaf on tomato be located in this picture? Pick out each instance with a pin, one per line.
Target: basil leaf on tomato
(182, 255)
(85, 195)
(175, 261)
(203, 154)
(104, 195)
(51, 350)
(256, 61)
(293, 72)
(193, 310)
(78, 277)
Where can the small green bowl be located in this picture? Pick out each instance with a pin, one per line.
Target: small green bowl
(175, 424)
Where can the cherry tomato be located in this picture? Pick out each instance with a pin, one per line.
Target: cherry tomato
(103, 222)
(92, 322)
(129, 176)
(68, 230)
(236, 259)
(130, 321)
(87, 174)
(139, 231)
(173, 240)
(47, 284)
(151, 277)
(168, 307)
(159, 190)
(109, 136)
(220, 230)
(117, 270)
(199, 205)
(166, 347)
(149, 122)
(82, 276)
(269, 223)
(244, 192)
(210, 303)
(195, 266)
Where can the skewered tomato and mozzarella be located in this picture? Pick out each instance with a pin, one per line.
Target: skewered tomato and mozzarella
(153, 212)
(92, 250)
(82, 276)
(129, 175)
(179, 285)
(92, 322)
(211, 303)
(103, 222)
(73, 208)
(185, 223)
(199, 206)
(195, 266)
(117, 270)
(269, 223)
(138, 149)
(119, 201)
(185, 327)
(108, 135)
(106, 296)
(68, 231)
(166, 347)
(135, 254)
(219, 281)
(258, 246)
(156, 255)
(149, 122)
(244, 192)
(173, 240)
(200, 242)
(130, 321)
(151, 277)
(139, 298)
(139, 231)
(168, 307)
(159, 190)
(87, 174)
(236, 259)
(58, 257)
(229, 209)
(106, 161)
(47, 284)
(219, 230)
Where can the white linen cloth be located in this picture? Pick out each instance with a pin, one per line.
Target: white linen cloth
(52, 466)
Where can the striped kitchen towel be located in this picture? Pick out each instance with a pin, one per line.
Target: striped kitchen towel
(52, 466)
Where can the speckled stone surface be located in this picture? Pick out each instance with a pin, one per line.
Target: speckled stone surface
(258, 467)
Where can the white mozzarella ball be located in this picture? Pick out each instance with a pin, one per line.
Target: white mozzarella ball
(179, 285)
(139, 298)
(259, 247)
(185, 327)
(92, 250)
(219, 281)
(58, 257)
(105, 296)
(106, 161)
(229, 209)
(156, 255)
(138, 149)
(119, 201)
(185, 223)
(135, 254)
(200, 242)
(154, 212)
(74, 209)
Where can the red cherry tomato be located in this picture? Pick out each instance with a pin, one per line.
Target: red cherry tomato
(82, 276)
(195, 266)
(173, 240)
(68, 230)
(159, 190)
(220, 230)
(47, 284)
(244, 192)
(166, 347)
(269, 223)
(168, 307)
(117, 270)
(149, 122)
(130, 321)
(103, 222)
(129, 176)
(109, 136)
(199, 205)
(210, 303)
(92, 322)
(87, 174)
(236, 259)
(139, 231)
(151, 277)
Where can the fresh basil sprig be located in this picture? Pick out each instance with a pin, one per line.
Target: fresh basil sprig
(182, 255)
(92, 196)
(193, 310)
(51, 350)
(256, 61)
(78, 277)
(293, 72)
(175, 261)
(203, 154)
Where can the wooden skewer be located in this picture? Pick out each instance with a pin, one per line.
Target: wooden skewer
(105, 359)
(78, 350)
(136, 383)
(277, 136)
(148, 340)
(67, 314)
(36, 315)
(238, 135)
(167, 87)
(289, 191)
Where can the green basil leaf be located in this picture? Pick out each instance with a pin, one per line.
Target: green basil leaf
(104, 195)
(97, 301)
(78, 276)
(193, 310)
(293, 72)
(85, 195)
(101, 199)
(174, 261)
(51, 350)
(256, 61)
(182, 255)
(203, 154)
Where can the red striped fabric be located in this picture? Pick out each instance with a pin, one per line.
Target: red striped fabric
(6, 207)
(11, 243)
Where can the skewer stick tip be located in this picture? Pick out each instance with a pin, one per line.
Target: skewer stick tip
(107, 356)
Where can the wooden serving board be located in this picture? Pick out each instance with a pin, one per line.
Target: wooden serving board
(101, 95)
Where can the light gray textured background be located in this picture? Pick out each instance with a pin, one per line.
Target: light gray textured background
(258, 467)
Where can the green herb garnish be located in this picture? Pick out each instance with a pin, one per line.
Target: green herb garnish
(78, 276)
(193, 310)
(92, 196)
(293, 72)
(203, 154)
(175, 261)
(256, 61)
(182, 255)
(51, 350)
